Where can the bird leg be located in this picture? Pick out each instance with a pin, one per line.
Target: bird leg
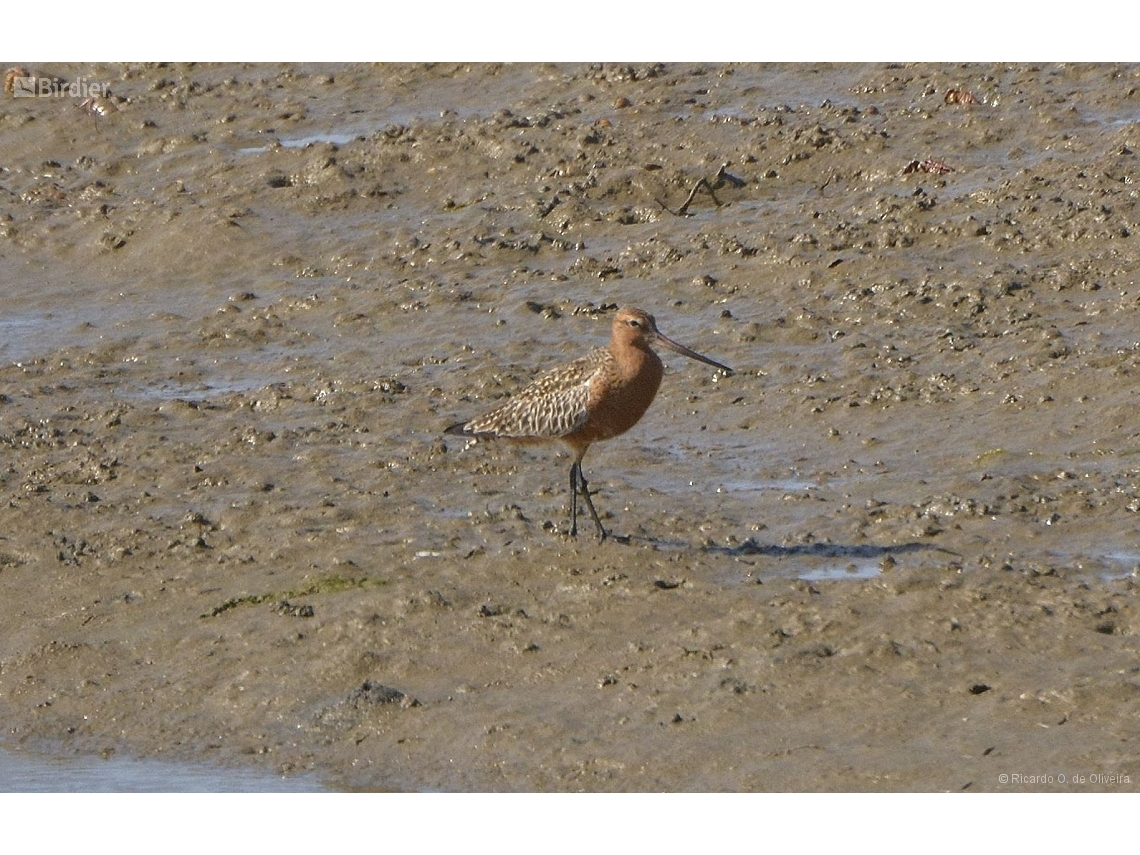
(578, 485)
(574, 499)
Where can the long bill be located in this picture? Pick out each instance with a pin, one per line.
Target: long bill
(692, 354)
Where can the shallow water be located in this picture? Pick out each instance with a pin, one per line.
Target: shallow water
(24, 771)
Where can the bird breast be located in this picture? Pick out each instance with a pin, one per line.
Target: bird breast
(619, 394)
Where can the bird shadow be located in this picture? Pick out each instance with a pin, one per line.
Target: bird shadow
(833, 551)
(843, 551)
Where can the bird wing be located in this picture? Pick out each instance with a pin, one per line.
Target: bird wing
(554, 405)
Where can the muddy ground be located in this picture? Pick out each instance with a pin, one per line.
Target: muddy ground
(896, 550)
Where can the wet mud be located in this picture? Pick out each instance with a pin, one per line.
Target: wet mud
(895, 550)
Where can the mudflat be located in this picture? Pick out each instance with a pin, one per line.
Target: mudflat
(895, 550)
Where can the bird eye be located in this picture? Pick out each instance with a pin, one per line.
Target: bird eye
(634, 322)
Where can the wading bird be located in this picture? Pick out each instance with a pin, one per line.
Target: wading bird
(597, 397)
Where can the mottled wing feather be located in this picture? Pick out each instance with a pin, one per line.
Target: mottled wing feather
(553, 406)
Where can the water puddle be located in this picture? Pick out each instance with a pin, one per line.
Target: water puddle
(831, 572)
(817, 562)
(1112, 566)
(756, 485)
(331, 137)
(741, 485)
(1127, 565)
(25, 771)
(23, 335)
(16, 329)
(193, 392)
(80, 314)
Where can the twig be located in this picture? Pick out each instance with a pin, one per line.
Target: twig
(721, 178)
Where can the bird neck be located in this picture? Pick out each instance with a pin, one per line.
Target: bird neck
(635, 358)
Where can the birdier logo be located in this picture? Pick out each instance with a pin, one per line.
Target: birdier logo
(48, 87)
(24, 87)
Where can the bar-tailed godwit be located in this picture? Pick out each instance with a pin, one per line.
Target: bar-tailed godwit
(599, 396)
